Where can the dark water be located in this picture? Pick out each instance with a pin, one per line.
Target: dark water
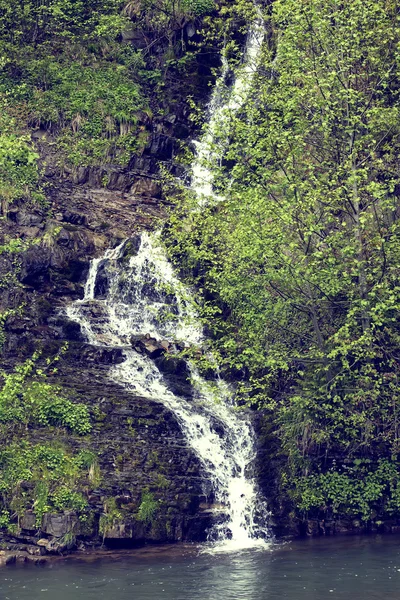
(351, 569)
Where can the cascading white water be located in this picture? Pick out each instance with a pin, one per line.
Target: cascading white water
(224, 103)
(138, 295)
(132, 291)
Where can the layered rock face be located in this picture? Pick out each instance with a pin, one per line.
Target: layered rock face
(138, 442)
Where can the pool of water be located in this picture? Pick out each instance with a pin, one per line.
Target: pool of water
(342, 568)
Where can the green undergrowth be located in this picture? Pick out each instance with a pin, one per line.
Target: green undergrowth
(19, 173)
(148, 508)
(90, 109)
(114, 515)
(28, 400)
(359, 488)
(41, 476)
(88, 76)
(42, 469)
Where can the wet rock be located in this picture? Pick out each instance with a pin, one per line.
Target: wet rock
(212, 508)
(65, 328)
(146, 187)
(217, 427)
(35, 266)
(74, 218)
(148, 345)
(80, 175)
(57, 546)
(161, 146)
(176, 374)
(25, 218)
(131, 248)
(28, 521)
(30, 232)
(120, 531)
(181, 131)
(196, 527)
(143, 164)
(104, 355)
(8, 559)
(102, 282)
(35, 550)
(174, 368)
(59, 525)
(72, 330)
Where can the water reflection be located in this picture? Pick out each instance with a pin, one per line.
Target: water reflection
(242, 575)
(337, 569)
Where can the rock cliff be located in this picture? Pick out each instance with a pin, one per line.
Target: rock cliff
(138, 442)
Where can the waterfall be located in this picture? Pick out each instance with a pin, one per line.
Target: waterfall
(132, 292)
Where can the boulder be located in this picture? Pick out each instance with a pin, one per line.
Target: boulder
(147, 187)
(28, 521)
(58, 525)
(176, 373)
(149, 345)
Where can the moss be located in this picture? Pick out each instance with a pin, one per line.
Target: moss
(44, 308)
(98, 415)
(161, 482)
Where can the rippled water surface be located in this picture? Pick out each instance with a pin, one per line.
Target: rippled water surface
(351, 569)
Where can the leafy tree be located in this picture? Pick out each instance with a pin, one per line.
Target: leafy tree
(299, 261)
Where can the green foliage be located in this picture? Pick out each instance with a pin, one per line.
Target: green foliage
(148, 508)
(299, 261)
(66, 499)
(4, 519)
(18, 168)
(110, 517)
(41, 477)
(41, 503)
(13, 246)
(95, 108)
(27, 399)
(19, 174)
(360, 489)
(65, 69)
(10, 251)
(66, 21)
(167, 15)
(198, 7)
(62, 69)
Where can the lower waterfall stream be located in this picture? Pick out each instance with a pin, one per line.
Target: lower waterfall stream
(132, 292)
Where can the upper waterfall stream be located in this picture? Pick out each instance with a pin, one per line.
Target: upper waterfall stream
(225, 102)
(133, 291)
